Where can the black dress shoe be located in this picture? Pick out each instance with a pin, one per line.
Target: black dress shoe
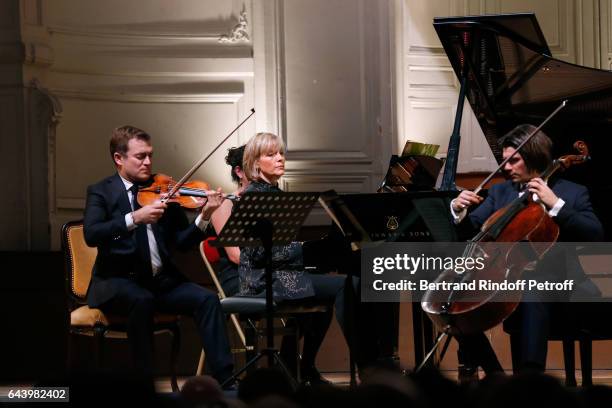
(312, 377)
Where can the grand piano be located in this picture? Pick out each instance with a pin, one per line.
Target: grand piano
(509, 77)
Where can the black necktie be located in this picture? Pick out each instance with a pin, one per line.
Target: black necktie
(142, 238)
(134, 190)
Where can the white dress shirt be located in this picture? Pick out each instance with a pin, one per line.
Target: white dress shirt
(156, 262)
(458, 217)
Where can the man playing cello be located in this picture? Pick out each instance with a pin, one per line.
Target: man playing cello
(569, 206)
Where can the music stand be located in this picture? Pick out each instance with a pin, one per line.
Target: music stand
(266, 219)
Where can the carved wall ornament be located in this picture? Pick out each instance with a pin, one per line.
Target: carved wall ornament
(51, 99)
(239, 32)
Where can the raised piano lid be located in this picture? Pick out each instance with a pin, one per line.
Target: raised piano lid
(513, 79)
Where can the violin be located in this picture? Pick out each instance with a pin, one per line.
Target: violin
(523, 220)
(191, 194)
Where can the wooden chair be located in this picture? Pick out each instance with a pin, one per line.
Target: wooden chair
(85, 321)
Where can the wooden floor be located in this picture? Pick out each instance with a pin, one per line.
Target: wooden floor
(600, 377)
(162, 384)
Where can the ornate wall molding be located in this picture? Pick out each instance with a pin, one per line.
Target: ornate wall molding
(51, 99)
(38, 54)
(31, 11)
(47, 114)
(43, 112)
(118, 96)
(75, 31)
(319, 181)
(344, 183)
(239, 33)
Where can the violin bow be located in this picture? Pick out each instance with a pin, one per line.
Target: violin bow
(196, 166)
(518, 148)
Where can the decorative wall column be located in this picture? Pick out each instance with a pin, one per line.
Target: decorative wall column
(14, 206)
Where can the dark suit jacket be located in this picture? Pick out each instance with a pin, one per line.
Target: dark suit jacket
(118, 254)
(577, 223)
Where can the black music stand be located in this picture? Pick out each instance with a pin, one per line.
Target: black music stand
(266, 219)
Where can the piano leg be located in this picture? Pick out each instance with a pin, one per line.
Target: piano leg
(428, 331)
(417, 328)
(423, 333)
(424, 339)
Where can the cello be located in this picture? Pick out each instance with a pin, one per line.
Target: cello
(523, 220)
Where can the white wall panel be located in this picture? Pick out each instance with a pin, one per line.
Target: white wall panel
(606, 34)
(324, 76)
(556, 18)
(157, 17)
(429, 89)
(332, 83)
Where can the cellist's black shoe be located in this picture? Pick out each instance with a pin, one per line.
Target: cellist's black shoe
(312, 377)
(467, 374)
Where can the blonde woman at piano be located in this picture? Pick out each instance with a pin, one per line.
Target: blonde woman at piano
(264, 165)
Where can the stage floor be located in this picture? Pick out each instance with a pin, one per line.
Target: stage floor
(341, 379)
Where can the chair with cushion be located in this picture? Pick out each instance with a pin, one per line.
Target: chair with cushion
(79, 260)
(252, 309)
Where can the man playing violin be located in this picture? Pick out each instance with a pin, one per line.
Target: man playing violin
(134, 274)
(569, 206)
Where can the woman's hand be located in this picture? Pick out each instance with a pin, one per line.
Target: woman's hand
(213, 201)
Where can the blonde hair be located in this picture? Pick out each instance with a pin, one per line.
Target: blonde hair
(260, 144)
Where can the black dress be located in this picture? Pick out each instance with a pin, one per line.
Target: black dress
(290, 281)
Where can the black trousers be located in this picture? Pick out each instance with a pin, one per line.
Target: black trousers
(313, 326)
(529, 328)
(167, 295)
(372, 328)
(475, 351)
